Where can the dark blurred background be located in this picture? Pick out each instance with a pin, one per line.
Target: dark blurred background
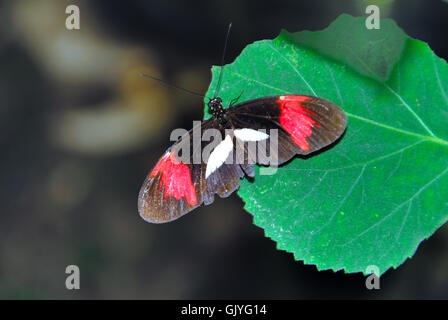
(80, 129)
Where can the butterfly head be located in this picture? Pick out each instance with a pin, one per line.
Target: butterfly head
(215, 107)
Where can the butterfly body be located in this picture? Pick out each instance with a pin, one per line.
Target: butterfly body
(295, 124)
(217, 110)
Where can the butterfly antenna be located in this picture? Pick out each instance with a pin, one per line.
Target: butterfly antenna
(222, 59)
(169, 85)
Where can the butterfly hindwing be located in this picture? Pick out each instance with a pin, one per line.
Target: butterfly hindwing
(173, 188)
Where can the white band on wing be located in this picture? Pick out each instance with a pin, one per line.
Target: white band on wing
(250, 135)
(219, 155)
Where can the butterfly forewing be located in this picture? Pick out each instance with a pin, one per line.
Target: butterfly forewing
(304, 124)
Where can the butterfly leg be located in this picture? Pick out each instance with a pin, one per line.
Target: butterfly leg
(234, 100)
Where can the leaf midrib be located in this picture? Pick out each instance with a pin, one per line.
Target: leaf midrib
(432, 139)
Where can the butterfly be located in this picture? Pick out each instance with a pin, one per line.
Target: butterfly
(177, 184)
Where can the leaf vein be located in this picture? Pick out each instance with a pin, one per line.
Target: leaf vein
(388, 155)
(390, 214)
(334, 82)
(439, 81)
(293, 67)
(396, 94)
(410, 109)
(347, 195)
(313, 187)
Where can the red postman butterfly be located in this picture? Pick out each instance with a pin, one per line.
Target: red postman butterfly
(302, 124)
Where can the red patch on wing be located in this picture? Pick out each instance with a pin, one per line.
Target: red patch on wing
(296, 120)
(176, 179)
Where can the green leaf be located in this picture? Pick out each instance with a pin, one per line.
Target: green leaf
(371, 52)
(383, 188)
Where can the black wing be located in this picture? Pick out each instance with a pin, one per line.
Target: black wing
(304, 124)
